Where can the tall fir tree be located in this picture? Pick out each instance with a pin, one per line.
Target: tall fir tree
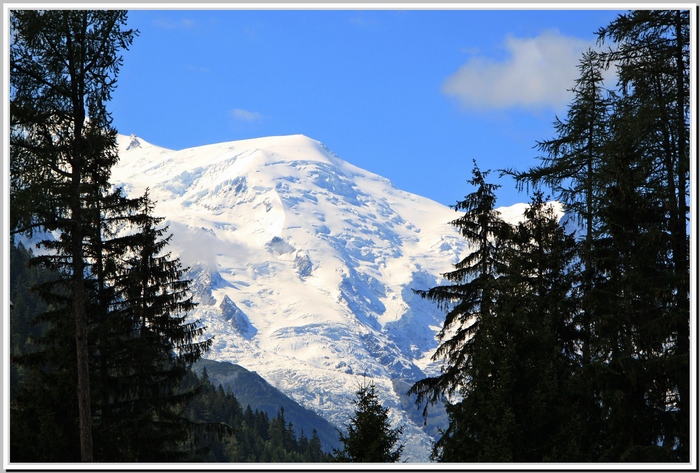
(120, 303)
(62, 70)
(634, 283)
(630, 190)
(571, 167)
(651, 52)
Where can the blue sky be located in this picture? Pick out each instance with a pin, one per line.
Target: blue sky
(412, 95)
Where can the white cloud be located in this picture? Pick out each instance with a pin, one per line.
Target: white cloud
(240, 114)
(536, 72)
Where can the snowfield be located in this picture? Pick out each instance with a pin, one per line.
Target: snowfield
(303, 266)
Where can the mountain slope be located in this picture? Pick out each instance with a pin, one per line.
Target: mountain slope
(252, 390)
(303, 266)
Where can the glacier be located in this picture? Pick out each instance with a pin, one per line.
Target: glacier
(303, 267)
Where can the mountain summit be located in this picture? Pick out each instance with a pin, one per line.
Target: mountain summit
(303, 266)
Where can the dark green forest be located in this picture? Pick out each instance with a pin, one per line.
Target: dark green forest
(574, 346)
(255, 436)
(223, 429)
(557, 345)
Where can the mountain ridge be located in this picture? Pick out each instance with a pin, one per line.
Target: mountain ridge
(304, 267)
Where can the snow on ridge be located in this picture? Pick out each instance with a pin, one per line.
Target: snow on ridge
(304, 265)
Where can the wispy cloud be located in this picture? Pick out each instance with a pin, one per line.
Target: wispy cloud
(363, 19)
(536, 73)
(242, 115)
(198, 69)
(174, 24)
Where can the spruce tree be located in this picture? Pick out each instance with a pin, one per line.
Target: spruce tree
(515, 403)
(141, 348)
(315, 451)
(469, 299)
(466, 338)
(24, 305)
(145, 346)
(535, 340)
(370, 437)
(43, 407)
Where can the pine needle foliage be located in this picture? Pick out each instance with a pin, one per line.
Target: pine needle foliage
(369, 436)
(101, 380)
(469, 298)
(581, 350)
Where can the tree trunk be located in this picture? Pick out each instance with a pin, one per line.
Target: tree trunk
(79, 299)
(81, 329)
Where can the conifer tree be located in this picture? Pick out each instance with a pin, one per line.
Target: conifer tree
(145, 346)
(370, 437)
(120, 303)
(514, 401)
(315, 451)
(469, 299)
(635, 279)
(571, 167)
(467, 333)
(651, 53)
(536, 349)
(24, 305)
(43, 407)
(629, 186)
(62, 70)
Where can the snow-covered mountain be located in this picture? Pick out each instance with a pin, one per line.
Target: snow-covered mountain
(303, 266)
